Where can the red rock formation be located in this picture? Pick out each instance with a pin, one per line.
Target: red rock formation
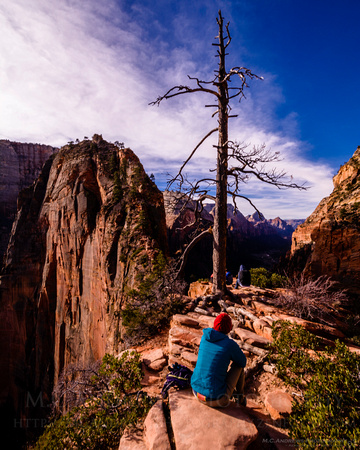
(328, 242)
(20, 165)
(84, 233)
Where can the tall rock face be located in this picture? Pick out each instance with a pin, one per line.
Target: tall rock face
(328, 242)
(85, 233)
(20, 165)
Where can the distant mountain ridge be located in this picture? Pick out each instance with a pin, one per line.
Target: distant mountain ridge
(251, 240)
(265, 226)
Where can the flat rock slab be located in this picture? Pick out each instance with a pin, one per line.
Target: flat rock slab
(186, 321)
(204, 321)
(251, 338)
(263, 307)
(199, 427)
(354, 349)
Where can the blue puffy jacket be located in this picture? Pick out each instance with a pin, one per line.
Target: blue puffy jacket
(215, 353)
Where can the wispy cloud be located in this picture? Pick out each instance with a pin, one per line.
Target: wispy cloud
(72, 68)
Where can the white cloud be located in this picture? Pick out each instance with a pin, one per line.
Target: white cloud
(72, 68)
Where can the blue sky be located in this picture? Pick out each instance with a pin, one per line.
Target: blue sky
(72, 68)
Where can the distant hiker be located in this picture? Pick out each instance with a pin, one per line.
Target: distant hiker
(212, 383)
(244, 277)
(229, 278)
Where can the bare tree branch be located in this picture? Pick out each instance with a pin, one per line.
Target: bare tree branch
(179, 174)
(179, 90)
(185, 255)
(253, 163)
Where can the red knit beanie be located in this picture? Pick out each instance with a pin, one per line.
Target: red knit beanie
(223, 323)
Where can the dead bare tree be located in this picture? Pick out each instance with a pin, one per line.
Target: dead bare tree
(248, 163)
(313, 299)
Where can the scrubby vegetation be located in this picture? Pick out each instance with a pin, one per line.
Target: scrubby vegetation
(327, 412)
(151, 305)
(263, 278)
(101, 401)
(312, 299)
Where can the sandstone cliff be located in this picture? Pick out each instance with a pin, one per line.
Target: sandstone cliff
(85, 233)
(20, 164)
(328, 242)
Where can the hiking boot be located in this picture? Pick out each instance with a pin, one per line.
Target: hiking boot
(240, 399)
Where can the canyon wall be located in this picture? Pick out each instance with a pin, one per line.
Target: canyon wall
(86, 232)
(328, 242)
(20, 164)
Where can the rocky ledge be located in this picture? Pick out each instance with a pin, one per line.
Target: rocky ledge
(181, 422)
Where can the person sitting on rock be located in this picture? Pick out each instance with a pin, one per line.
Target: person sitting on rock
(212, 383)
(243, 278)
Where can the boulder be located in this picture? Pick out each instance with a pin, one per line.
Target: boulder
(132, 439)
(186, 321)
(192, 337)
(155, 430)
(262, 328)
(154, 359)
(197, 426)
(279, 404)
(204, 321)
(251, 338)
(313, 327)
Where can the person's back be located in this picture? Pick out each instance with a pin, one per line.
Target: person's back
(211, 381)
(244, 277)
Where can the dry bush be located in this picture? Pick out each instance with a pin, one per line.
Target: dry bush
(74, 386)
(312, 299)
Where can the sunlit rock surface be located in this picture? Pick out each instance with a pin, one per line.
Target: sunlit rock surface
(328, 243)
(85, 233)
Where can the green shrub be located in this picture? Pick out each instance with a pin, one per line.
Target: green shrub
(328, 415)
(118, 190)
(277, 281)
(292, 362)
(154, 301)
(262, 278)
(116, 402)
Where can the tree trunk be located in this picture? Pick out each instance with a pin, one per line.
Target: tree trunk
(220, 217)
